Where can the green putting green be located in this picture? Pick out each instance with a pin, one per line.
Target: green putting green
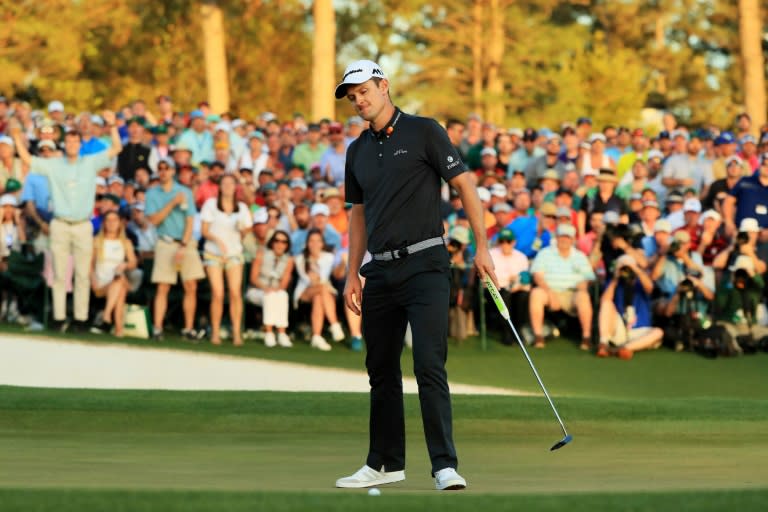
(159, 450)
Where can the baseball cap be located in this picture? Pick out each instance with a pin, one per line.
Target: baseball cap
(330, 193)
(335, 128)
(675, 197)
(355, 121)
(664, 134)
(680, 133)
(116, 179)
(550, 174)
(8, 200)
(682, 236)
(260, 216)
(112, 198)
(611, 217)
(710, 214)
(181, 147)
(488, 151)
(589, 172)
(651, 204)
(298, 183)
(636, 196)
(257, 135)
(138, 206)
(196, 114)
(566, 230)
(460, 234)
(237, 123)
(584, 120)
(655, 153)
(749, 225)
(223, 126)
(607, 175)
(625, 259)
(548, 209)
(319, 209)
(218, 164)
(498, 190)
(529, 135)
(692, 205)
(662, 226)
(356, 73)
(501, 208)
(12, 185)
(596, 137)
(747, 139)
(46, 144)
(100, 181)
(638, 132)
(484, 194)
(507, 235)
(733, 160)
(727, 138)
(563, 211)
(56, 106)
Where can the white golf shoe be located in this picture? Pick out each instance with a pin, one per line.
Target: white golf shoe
(269, 340)
(283, 340)
(449, 480)
(319, 343)
(337, 333)
(369, 477)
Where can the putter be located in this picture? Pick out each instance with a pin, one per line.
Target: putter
(505, 314)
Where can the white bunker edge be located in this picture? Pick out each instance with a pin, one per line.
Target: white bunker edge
(36, 361)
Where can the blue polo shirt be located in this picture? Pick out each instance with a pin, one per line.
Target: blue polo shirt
(640, 300)
(91, 146)
(331, 237)
(36, 190)
(525, 230)
(173, 225)
(751, 200)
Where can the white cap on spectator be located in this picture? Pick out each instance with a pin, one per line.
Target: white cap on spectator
(484, 194)
(733, 159)
(611, 217)
(498, 190)
(662, 226)
(138, 207)
(46, 144)
(4, 139)
(710, 214)
(97, 120)
(501, 208)
(566, 230)
(237, 123)
(116, 179)
(488, 151)
(460, 234)
(749, 225)
(595, 137)
(260, 216)
(692, 205)
(655, 153)
(743, 262)
(100, 181)
(8, 200)
(223, 126)
(319, 209)
(56, 106)
(563, 211)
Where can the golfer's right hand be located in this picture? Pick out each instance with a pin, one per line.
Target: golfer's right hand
(353, 293)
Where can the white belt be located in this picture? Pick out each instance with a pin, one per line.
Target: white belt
(405, 251)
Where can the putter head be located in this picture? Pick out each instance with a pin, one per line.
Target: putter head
(564, 441)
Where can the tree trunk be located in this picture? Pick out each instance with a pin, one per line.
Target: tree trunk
(495, 97)
(215, 55)
(323, 60)
(477, 57)
(753, 64)
(659, 44)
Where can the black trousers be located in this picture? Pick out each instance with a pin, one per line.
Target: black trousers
(414, 289)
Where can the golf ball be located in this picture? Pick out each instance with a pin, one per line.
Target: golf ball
(374, 492)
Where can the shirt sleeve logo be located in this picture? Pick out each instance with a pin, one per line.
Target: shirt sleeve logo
(450, 159)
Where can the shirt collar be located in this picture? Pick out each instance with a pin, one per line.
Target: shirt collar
(389, 127)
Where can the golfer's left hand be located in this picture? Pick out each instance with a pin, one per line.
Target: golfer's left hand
(484, 265)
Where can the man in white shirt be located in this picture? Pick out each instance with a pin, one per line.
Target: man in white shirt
(514, 281)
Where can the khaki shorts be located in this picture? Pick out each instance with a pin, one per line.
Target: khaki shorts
(165, 270)
(212, 260)
(621, 335)
(567, 302)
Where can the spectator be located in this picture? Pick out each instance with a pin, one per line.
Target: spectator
(257, 238)
(639, 181)
(224, 223)
(625, 312)
(658, 242)
(337, 217)
(649, 215)
(691, 214)
(595, 157)
(505, 148)
(90, 144)
(541, 165)
(726, 146)
(170, 207)
(197, 140)
(314, 267)
(143, 231)
(135, 154)
(748, 152)
(319, 214)
(639, 151)
(745, 243)
(570, 152)
(254, 157)
(271, 274)
(687, 168)
(72, 182)
(461, 300)
(474, 134)
(526, 153)
(161, 149)
(734, 171)
(712, 240)
(736, 301)
(333, 160)
(10, 166)
(561, 276)
(455, 130)
(487, 141)
(749, 199)
(511, 267)
(605, 199)
(113, 258)
(209, 188)
(11, 237)
(525, 225)
(310, 152)
(355, 126)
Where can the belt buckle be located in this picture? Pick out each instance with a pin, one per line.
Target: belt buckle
(402, 253)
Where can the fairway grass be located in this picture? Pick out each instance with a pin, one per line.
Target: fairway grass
(85, 450)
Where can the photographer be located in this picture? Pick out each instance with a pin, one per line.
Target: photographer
(736, 303)
(682, 277)
(616, 240)
(624, 318)
(744, 244)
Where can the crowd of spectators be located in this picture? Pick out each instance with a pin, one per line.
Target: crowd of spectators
(611, 233)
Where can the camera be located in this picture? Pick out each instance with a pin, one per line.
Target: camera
(742, 239)
(741, 279)
(630, 233)
(686, 289)
(627, 275)
(674, 247)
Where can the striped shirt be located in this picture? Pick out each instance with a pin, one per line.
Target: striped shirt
(560, 273)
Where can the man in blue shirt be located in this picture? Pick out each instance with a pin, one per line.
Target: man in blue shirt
(90, 145)
(749, 199)
(171, 208)
(198, 139)
(319, 214)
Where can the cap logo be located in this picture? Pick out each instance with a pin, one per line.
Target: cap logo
(351, 72)
(377, 71)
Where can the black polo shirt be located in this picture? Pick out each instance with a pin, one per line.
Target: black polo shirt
(131, 158)
(395, 173)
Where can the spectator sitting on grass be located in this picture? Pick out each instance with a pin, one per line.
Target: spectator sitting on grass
(113, 258)
(736, 301)
(11, 237)
(314, 267)
(224, 222)
(624, 318)
(561, 277)
(270, 277)
(318, 219)
(144, 231)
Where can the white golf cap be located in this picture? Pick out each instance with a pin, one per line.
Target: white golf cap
(319, 209)
(710, 214)
(611, 217)
(356, 73)
(223, 126)
(8, 200)
(484, 194)
(566, 230)
(662, 226)
(498, 190)
(46, 144)
(749, 225)
(625, 259)
(692, 205)
(237, 123)
(460, 234)
(100, 181)
(56, 106)
(260, 216)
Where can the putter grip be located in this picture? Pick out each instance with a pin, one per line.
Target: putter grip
(496, 297)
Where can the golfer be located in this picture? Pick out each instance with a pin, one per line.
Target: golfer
(392, 178)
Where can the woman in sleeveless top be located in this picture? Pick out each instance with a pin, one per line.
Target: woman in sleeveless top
(270, 276)
(113, 257)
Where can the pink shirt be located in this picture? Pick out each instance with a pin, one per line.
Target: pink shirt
(508, 267)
